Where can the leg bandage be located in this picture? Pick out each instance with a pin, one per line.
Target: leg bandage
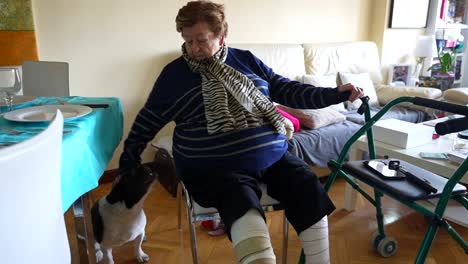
(251, 240)
(315, 243)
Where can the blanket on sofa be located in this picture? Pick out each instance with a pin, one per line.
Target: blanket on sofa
(318, 146)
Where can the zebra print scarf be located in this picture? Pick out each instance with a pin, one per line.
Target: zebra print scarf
(231, 99)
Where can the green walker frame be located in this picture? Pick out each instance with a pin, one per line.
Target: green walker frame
(387, 246)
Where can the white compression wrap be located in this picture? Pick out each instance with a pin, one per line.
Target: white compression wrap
(251, 240)
(315, 243)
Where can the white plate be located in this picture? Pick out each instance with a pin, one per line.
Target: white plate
(46, 113)
(19, 99)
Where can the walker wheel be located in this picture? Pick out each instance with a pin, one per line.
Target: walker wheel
(387, 247)
(375, 239)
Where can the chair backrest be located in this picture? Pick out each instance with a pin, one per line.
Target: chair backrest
(32, 226)
(45, 78)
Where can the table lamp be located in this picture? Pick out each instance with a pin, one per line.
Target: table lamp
(425, 48)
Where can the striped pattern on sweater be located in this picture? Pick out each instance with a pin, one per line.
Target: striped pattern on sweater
(231, 99)
(179, 99)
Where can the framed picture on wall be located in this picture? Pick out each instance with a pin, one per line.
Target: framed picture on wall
(408, 13)
(399, 74)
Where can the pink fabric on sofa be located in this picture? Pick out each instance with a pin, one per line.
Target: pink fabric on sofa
(291, 118)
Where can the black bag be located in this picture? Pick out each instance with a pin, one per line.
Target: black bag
(163, 165)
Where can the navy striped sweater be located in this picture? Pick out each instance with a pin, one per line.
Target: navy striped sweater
(177, 96)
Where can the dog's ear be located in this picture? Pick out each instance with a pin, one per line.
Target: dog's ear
(117, 191)
(116, 180)
(115, 195)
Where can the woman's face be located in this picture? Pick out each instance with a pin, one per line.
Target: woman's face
(200, 42)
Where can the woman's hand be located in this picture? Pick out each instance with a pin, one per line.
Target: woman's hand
(356, 92)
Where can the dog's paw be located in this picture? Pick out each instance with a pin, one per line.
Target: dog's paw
(108, 261)
(99, 256)
(142, 258)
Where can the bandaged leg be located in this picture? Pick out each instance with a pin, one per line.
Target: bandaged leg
(315, 243)
(251, 240)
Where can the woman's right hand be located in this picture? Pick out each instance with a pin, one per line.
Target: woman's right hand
(356, 92)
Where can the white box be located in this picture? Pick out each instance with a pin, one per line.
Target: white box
(401, 133)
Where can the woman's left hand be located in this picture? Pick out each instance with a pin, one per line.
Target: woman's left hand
(356, 92)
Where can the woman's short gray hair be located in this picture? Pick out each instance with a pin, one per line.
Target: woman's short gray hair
(203, 11)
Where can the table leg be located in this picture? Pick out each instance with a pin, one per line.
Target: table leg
(84, 230)
(350, 193)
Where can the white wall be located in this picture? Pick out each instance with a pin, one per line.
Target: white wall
(118, 47)
(395, 45)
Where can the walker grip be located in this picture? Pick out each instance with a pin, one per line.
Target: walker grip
(443, 106)
(452, 126)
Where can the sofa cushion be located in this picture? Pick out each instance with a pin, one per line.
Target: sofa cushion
(320, 80)
(353, 57)
(324, 81)
(285, 59)
(318, 146)
(400, 113)
(457, 95)
(363, 81)
(315, 118)
(388, 93)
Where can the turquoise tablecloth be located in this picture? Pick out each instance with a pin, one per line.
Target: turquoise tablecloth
(88, 144)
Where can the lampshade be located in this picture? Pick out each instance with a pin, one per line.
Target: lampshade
(425, 47)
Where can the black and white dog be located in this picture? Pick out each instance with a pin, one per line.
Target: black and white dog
(118, 218)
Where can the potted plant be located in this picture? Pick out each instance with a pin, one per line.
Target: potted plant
(445, 74)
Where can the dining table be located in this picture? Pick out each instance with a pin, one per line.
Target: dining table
(89, 140)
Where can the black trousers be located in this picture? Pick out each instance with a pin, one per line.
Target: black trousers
(289, 180)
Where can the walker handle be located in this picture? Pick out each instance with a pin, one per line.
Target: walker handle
(452, 126)
(447, 107)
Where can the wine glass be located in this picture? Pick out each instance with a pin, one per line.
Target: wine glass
(10, 84)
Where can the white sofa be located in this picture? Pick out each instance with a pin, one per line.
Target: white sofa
(324, 59)
(330, 62)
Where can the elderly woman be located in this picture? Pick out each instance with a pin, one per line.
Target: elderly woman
(229, 136)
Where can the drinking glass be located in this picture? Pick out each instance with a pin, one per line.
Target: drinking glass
(10, 84)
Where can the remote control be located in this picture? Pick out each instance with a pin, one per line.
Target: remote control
(420, 182)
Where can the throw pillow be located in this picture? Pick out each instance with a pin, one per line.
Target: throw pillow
(315, 118)
(388, 93)
(457, 95)
(363, 81)
(324, 81)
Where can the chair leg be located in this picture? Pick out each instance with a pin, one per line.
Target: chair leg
(193, 240)
(285, 239)
(83, 222)
(179, 206)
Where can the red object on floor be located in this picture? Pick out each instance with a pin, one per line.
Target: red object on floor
(209, 225)
(214, 227)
